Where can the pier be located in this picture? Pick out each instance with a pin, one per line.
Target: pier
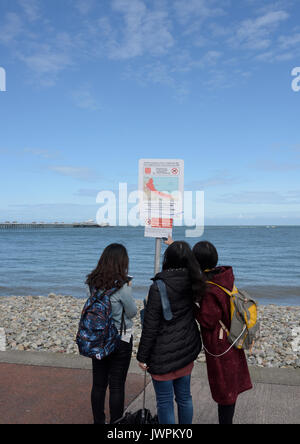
(14, 226)
(9, 226)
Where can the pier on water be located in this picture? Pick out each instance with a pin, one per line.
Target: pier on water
(7, 226)
(14, 226)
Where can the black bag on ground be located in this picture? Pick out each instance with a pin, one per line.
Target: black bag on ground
(142, 416)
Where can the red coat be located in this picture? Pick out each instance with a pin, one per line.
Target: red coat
(228, 375)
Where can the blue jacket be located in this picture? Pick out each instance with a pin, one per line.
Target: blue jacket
(123, 299)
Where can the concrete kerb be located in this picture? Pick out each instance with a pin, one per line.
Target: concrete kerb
(279, 376)
(43, 359)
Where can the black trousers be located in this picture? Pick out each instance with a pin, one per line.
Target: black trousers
(226, 413)
(110, 371)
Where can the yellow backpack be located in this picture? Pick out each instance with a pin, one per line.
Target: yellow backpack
(244, 328)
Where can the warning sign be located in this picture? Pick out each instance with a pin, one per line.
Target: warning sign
(162, 184)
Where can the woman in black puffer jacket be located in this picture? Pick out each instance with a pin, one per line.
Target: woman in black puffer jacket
(168, 349)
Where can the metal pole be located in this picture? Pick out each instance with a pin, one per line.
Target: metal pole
(157, 255)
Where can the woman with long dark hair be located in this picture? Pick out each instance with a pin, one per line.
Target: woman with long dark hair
(168, 348)
(112, 273)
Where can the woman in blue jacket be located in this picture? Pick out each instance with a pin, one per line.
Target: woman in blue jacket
(112, 272)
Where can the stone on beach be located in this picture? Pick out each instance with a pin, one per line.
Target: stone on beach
(50, 324)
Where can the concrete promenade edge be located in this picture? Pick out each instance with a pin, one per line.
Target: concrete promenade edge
(279, 376)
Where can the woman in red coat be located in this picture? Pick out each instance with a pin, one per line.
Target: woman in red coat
(228, 375)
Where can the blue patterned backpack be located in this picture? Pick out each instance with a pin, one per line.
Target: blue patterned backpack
(97, 335)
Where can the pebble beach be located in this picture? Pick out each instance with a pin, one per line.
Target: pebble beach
(50, 324)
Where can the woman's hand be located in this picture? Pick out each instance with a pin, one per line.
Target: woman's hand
(169, 241)
(143, 366)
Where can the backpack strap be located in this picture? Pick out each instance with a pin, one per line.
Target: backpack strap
(230, 293)
(123, 324)
(164, 300)
(99, 295)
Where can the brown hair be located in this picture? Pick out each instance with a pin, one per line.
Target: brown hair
(112, 269)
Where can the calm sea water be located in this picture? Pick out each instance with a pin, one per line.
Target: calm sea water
(266, 260)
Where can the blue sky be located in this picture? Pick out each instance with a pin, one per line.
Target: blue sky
(95, 85)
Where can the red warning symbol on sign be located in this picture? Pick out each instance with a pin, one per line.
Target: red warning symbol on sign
(158, 222)
(175, 171)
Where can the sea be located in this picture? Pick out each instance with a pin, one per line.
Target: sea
(265, 259)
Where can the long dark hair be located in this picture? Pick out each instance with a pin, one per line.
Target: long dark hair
(112, 269)
(207, 257)
(180, 255)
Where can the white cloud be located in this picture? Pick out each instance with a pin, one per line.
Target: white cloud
(31, 9)
(220, 178)
(286, 50)
(262, 198)
(148, 35)
(196, 9)
(256, 33)
(289, 41)
(46, 61)
(157, 73)
(84, 192)
(11, 28)
(83, 98)
(84, 6)
(210, 58)
(143, 31)
(270, 165)
(80, 173)
(46, 154)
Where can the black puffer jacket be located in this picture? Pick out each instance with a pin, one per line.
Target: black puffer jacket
(167, 346)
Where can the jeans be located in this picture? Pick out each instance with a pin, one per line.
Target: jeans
(165, 391)
(111, 371)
